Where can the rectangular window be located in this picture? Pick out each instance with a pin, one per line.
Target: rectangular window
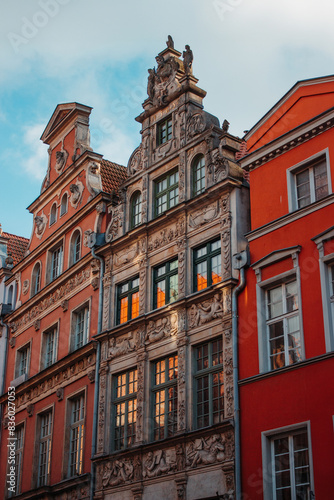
(283, 325)
(207, 265)
(166, 192)
(80, 327)
(77, 415)
(165, 131)
(291, 466)
(128, 300)
(165, 397)
(165, 283)
(19, 442)
(125, 409)
(49, 347)
(44, 461)
(56, 262)
(308, 182)
(209, 383)
(198, 175)
(22, 361)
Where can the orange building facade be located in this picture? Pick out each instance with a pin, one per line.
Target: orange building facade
(51, 320)
(286, 335)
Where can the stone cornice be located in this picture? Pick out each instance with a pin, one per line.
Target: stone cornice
(73, 366)
(288, 141)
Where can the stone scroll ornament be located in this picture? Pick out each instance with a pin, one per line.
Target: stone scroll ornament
(199, 314)
(136, 161)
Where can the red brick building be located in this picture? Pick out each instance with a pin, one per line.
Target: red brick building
(286, 336)
(53, 315)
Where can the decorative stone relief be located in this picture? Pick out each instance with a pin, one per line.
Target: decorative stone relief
(76, 193)
(206, 451)
(142, 285)
(182, 273)
(136, 161)
(182, 387)
(218, 168)
(182, 167)
(144, 199)
(91, 376)
(141, 362)
(114, 224)
(12, 341)
(195, 125)
(162, 328)
(40, 224)
(61, 159)
(101, 419)
(37, 324)
(227, 300)
(93, 180)
(155, 464)
(51, 299)
(167, 235)
(162, 82)
(225, 223)
(205, 312)
(204, 215)
(60, 393)
(25, 287)
(117, 472)
(126, 255)
(30, 410)
(180, 457)
(95, 270)
(123, 345)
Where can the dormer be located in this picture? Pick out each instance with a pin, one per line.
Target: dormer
(67, 134)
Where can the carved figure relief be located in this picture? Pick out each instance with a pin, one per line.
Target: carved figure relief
(40, 224)
(162, 328)
(25, 287)
(93, 180)
(166, 235)
(195, 125)
(162, 82)
(204, 215)
(205, 312)
(61, 159)
(126, 255)
(117, 472)
(76, 193)
(155, 464)
(218, 168)
(206, 451)
(123, 345)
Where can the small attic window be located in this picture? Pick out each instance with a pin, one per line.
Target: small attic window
(53, 214)
(64, 205)
(165, 130)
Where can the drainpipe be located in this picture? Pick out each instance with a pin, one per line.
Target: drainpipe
(2, 388)
(240, 260)
(97, 371)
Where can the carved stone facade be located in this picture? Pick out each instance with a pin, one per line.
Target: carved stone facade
(174, 319)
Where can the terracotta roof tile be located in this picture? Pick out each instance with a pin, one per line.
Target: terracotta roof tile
(112, 175)
(16, 246)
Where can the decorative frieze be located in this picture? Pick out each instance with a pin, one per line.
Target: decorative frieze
(205, 451)
(51, 299)
(166, 235)
(126, 255)
(202, 313)
(123, 345)
(160, 329)
(204, 215)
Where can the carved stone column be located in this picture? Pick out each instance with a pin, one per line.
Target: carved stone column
(141, 362)
(107, 282)
(144, 197)
(102, 408)
(225, 225)
(182, 175)
(228, 373)
(143, 265)
(182, 377)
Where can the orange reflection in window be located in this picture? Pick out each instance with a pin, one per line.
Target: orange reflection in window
(124, 310)
(161, 298)
(135, 305)
(216, 278)
(202, 282)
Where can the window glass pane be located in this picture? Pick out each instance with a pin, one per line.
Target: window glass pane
(276, 343)
(275, 302)
(161, 293)
(201, 275)
(216, 275)
(135, 305)
(291, 296)
(173, 265)
(303, 189)
(320, 181)
(124, 310)
(173, 288)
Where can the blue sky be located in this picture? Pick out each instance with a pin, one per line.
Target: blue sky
(247, 54)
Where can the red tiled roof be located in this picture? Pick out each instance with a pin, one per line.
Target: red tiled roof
(16, 246)
(112, 175)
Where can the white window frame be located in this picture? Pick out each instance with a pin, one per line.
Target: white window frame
(46, 439)
(308, 163)
(261, 291)
(268, 465)
(44, 345)
(18, 460)
(326, 262)
(19, 351)
(69, 427)
(85, 306)
(49, 268)
(72, 249)
(63, 212)
(54, 209)
(33, 290)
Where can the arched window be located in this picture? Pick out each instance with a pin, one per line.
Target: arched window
(53, 214)
(64, 204)
(36, 279)
(75, 247)
(198, 171)
(136, 209)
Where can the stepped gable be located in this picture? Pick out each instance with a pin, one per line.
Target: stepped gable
(112, 175)
(16, 246)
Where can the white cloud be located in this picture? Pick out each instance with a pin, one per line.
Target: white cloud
(35, 162)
